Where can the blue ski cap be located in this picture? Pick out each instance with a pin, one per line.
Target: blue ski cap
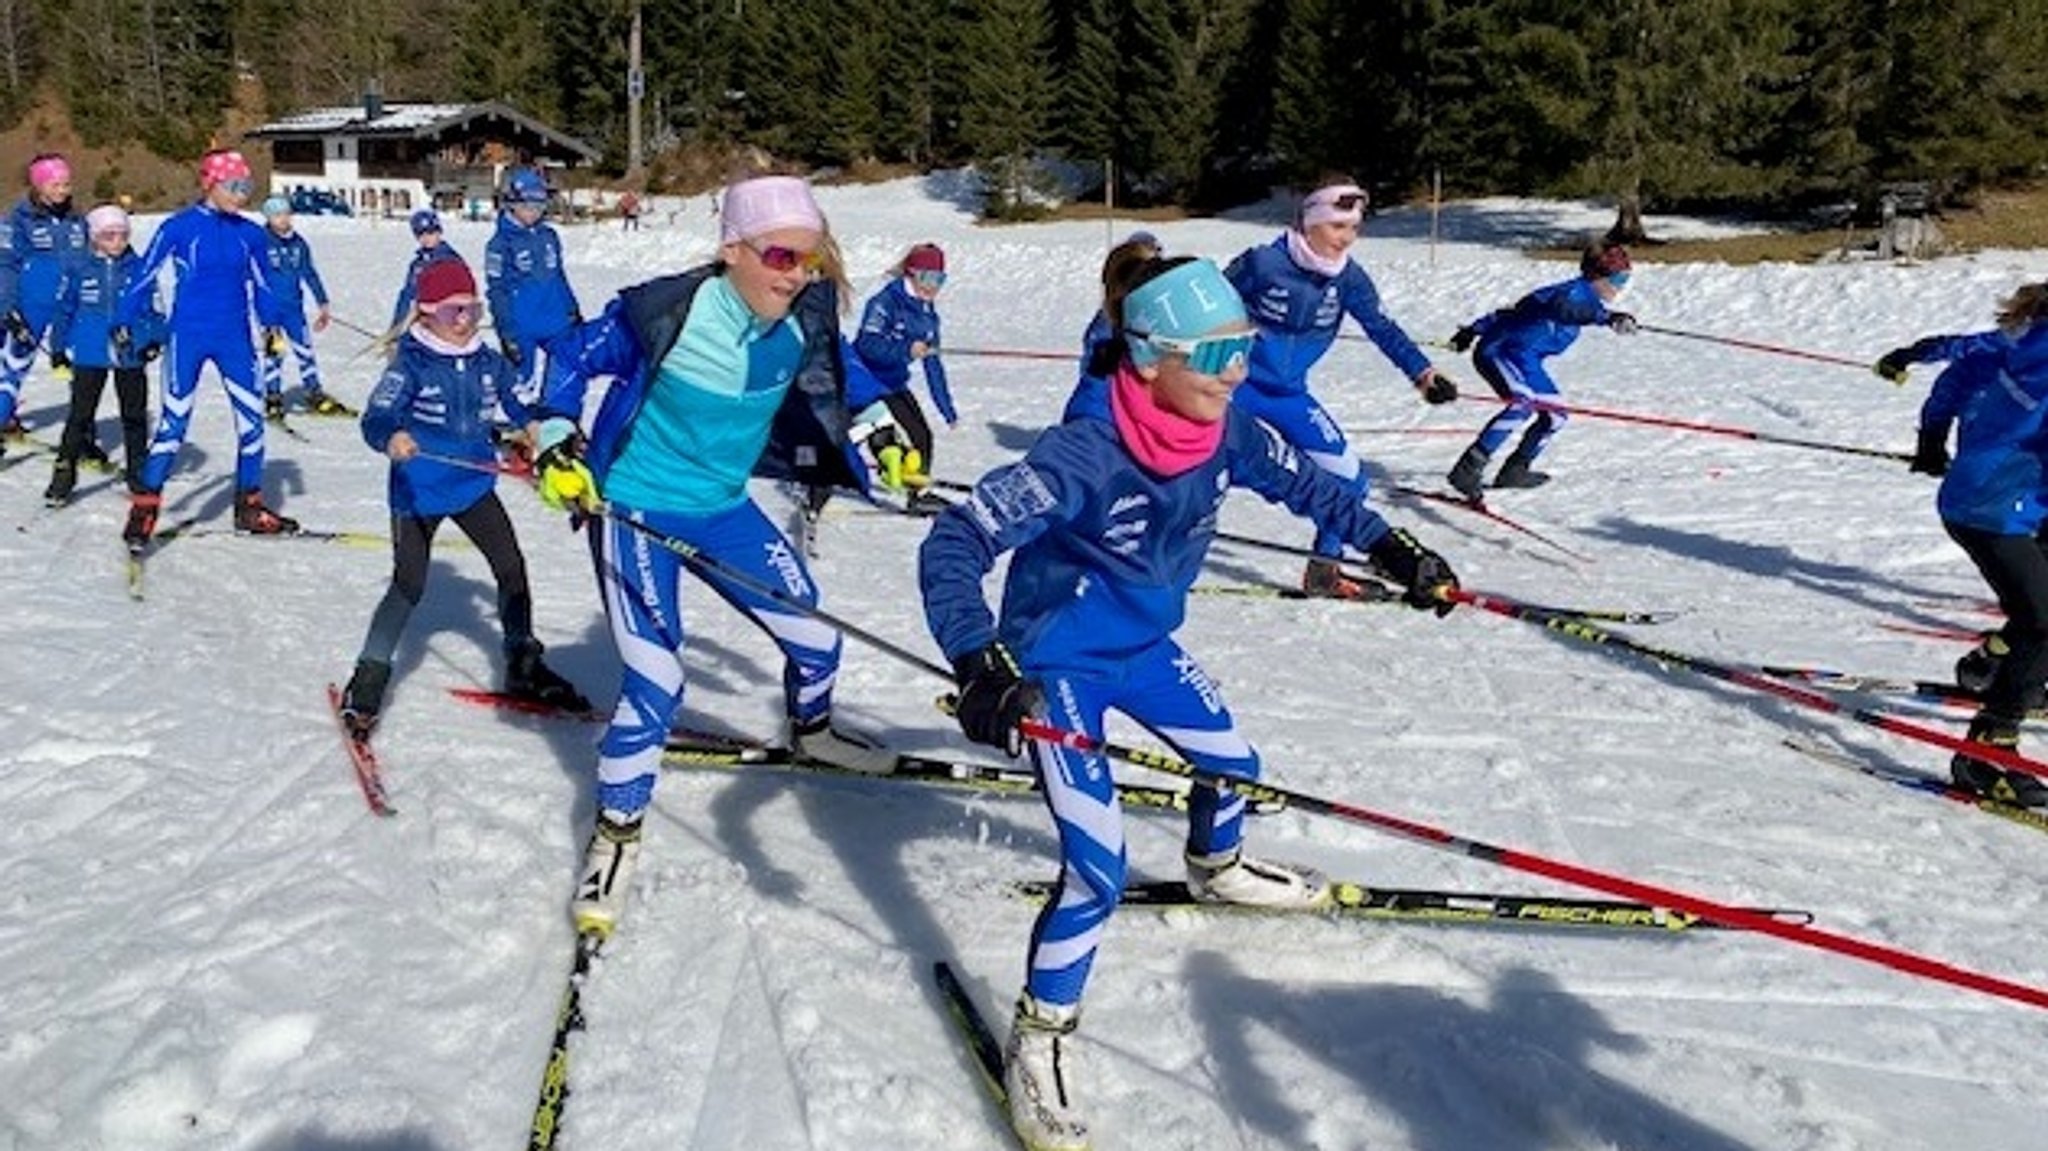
(425, 220)
(526, 186)
(276, 206)
(1184, 303)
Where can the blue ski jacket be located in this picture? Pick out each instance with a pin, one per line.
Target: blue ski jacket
(1298, 311)
(84, 325)
(39, 245)
(1106, 550)
(1541, 324)
(528, 289)
(807, 432)
(1994, 391)
(896, 318)
(292, 275)
(449, 403)
(222, 268)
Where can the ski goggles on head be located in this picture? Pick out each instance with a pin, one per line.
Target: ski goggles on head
(777, 258)
(929, 278)
(454, 312)
(1210, 355)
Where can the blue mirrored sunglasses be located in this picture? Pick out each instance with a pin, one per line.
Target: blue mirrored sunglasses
(241, 186)
(1213, 355)
(1619, 280)
(929, 278)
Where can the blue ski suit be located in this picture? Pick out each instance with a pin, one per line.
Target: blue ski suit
(1297, 312)
(1105, 554)
(528, 290)
(292, 274)
(1512, 345)
(221, 265)
(703, 395)
(88, 309)
(40, 245)
(896, 318)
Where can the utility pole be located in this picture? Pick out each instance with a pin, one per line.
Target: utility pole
(636, 87)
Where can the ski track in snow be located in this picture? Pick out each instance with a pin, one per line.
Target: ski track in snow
(211, 944)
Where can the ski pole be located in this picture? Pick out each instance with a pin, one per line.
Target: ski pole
(1012, 354)
(1743, 677)
(358, 329)
(1755, 346)
(1698, 426)
(1907, 962)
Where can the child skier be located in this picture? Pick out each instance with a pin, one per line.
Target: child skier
(81, 343)
(1991, 503)
(531, 301)
(433, 413)
(1298, 290)
(898, 328)
(222, 279)
(43, 241)
(1509, 346)
(292, 274)
(726, 371)
(1109, 515)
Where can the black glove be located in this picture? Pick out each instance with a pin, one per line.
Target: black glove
(1622, 323)
(150, 351)
(510, 348)
(60, 361)
(18, 329)
(1464, 338)
(273, 341)
(994, 698)
(124, 341)
(1440, 389)
(1892, 366)
(1425, 574)
(1930, 457)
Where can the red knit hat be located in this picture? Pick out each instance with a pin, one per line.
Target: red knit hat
(925, 258)
(445, 280)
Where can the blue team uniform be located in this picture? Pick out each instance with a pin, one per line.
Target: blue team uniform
(703, 396)
(1105, 554)
(1298, 312)
(896, 318)
(450, 405)
(40, 245)
(1993, 391)
(528, 290)
(221, 267)
(1511, 347)
(88, 309)
(290, 263)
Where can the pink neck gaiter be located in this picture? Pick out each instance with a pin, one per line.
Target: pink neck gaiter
(1166, 443)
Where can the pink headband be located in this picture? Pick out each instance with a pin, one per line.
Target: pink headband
(48, 170)
(767, 204)
(1327, 205)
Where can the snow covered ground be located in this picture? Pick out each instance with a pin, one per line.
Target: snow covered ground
(209, 943)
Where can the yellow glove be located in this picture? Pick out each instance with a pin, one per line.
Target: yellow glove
(564, 479)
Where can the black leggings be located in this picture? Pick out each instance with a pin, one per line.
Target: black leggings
(2016, 567)
(412, 545)
(131, 391)
(909, 417)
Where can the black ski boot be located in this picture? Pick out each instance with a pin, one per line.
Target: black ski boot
(363, 698)
(1468, 475)
(1988, 779)
(1979, 666)
(1517, 473)
(528, 678)
(63, 478)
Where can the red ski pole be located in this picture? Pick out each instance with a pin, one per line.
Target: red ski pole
(1756, 346)
(1698, 426)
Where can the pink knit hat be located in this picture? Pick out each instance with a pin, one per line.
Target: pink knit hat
(765, 204)
(46, 170)
(106, 218)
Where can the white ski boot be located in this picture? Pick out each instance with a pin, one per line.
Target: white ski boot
(1038, 1075)
(1233, 877)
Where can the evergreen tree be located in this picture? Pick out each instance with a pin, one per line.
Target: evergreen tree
(1004, 114)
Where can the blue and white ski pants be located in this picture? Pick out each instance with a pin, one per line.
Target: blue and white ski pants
(1303, 423)
(1519, 384)
(1164, 689)
(300, 342)
(16, 357)
(642, 585)
(234, 357)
